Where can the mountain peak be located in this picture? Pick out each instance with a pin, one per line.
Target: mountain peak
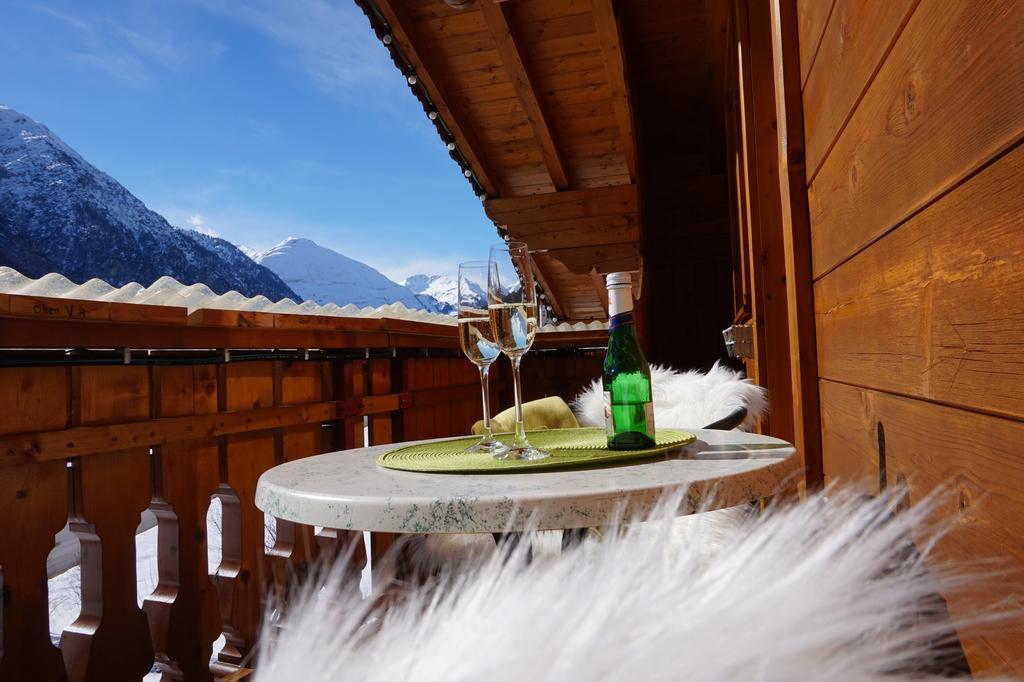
(323, 275)
(441, 289)
(58, 213)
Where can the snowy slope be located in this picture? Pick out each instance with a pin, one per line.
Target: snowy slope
(58, 213)
(441, 289)
(326, 276)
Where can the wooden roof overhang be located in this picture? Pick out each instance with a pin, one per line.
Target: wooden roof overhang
(532, 99)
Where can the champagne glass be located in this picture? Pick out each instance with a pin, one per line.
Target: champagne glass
(476, 336)
(512, 304)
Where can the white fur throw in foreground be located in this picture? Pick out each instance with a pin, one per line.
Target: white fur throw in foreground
(685, 399)
(820, 590)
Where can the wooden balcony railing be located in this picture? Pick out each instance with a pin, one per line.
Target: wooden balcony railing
(166, 414)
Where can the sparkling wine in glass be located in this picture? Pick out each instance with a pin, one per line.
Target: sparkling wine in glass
(476, 336)
(512, 305)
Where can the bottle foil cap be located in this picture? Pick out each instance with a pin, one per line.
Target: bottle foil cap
(619, 279)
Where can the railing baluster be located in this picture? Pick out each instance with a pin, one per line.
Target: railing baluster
(110, 640)
(246, 385)
(183, 616)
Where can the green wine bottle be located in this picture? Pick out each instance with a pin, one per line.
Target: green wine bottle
(628, 405)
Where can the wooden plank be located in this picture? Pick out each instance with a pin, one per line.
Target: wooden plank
(483, 60)
(528, 175)
(443, 27)
(978, 463)
(796, 240)
(563, 205)
(934, 309)
(110, 638)
(771, 310)
(380, 419)
(412, 428)
(464, 101)
(40, 332)
(406, 35)
(812, 15)
(518, 132)
(379, 381)
(334, 323)
(467, 43)
(469, 81)
(142, 312)
(34, 507)
(550, 10)
(89, 440)
(537, 30)
(243, 573)
(443, 409)
(855, 44)
(604, 258)
(947, 100)
(566, 65)
(58, 308)
(295, 546)
(355, 382)
(568, 113)
(462, 393)
(424, 378)
(231, 318)
(615, 62)
(182, 611)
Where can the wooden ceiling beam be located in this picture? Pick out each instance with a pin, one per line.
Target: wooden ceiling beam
(610, 35)
(603, 258)
(549, 291)
(583, 203)
(496, 16)
(403, 31)
(601, 288)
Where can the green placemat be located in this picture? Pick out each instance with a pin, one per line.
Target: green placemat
(568, 448)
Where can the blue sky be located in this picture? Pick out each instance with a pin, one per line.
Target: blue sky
(251, 119)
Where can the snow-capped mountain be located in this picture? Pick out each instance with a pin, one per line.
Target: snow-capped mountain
(58, 213)
(440, 291)
(326, 276)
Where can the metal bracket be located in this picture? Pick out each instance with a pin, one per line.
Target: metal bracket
(739, 341)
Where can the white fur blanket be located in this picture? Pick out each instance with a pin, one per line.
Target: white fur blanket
(817, 590)
(685, 399)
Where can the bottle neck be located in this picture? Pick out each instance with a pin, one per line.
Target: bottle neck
(620, 306)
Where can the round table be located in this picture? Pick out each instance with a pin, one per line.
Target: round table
(347, 490)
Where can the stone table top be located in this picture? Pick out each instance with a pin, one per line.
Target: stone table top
(348, 490)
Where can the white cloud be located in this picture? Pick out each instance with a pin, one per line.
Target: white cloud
(331, 41)
(128, 53)
(198, 223)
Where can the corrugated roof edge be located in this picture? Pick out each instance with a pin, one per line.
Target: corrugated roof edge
(168, 291)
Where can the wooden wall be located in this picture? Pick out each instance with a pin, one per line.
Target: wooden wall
(913, 121)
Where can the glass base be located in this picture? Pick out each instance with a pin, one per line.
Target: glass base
(523, 452)
(489, 445)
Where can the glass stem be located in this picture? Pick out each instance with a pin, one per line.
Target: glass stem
(485, 390)
(520, 436)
